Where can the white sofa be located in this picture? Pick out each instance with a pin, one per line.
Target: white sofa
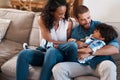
(24, 28)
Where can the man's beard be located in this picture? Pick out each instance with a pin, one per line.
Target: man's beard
(86, 26)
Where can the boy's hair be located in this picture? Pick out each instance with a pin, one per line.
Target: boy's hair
(107, 32)
(80, 10)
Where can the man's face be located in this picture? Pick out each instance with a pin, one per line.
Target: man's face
(84, 20)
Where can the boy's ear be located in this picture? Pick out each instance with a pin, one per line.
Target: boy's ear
(102, 38)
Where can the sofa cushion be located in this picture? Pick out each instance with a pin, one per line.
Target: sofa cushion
(35, 36)
(4, 23)
(116, 25)
(9, 69)
(8, 49)
(20, 26)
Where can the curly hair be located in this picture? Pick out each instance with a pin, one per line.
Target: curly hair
(49, 8)
(107, 32)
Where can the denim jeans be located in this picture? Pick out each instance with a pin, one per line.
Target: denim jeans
(26, 57)
(51, 57)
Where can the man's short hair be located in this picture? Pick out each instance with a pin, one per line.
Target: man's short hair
(81, 9)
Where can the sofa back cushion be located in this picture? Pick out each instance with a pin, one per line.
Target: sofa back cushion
(4, 24)
(116, 25)
(21, 24)
(35, 35)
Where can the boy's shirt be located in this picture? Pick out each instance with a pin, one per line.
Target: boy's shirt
(93, 44)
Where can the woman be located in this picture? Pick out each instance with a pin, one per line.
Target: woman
(55, 28)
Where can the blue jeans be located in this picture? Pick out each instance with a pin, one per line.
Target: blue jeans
(64, 52)
(26, 57)
(52, 57)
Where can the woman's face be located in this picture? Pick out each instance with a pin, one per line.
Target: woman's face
(60, 13)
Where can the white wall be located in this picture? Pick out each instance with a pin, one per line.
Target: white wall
(104, 10)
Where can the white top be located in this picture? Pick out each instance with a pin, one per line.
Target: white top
(59, 35)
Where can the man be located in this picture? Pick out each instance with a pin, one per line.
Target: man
(101, 65)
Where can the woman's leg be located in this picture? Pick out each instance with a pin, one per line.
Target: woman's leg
(26, 57)
(52, 57)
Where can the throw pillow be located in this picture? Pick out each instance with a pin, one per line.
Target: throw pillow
(4, 24)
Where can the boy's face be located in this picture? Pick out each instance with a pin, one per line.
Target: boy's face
(97, 35)
(84, 20)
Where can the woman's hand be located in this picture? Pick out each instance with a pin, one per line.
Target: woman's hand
(72, 40)
(55, 45)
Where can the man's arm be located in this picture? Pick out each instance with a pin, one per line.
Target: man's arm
(107, 50)
(110, 49)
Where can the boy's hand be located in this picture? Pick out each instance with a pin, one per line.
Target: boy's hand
(84, 50)
(81, 44)
(82, 56)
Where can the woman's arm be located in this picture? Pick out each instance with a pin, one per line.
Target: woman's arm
(46, 33)
(70, 26)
